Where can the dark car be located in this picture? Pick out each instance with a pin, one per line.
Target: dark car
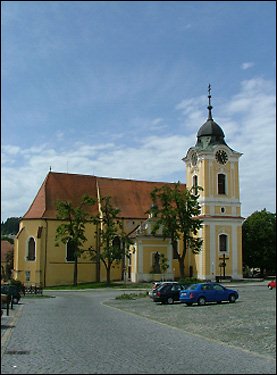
(156, 284)
(167, 292)
(207, 292)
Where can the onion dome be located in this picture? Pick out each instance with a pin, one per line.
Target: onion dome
(210, 132)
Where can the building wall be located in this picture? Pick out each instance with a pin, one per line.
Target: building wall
(50, 266)
(22, 266)
(220, 213)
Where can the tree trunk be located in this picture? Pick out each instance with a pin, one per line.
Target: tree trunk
(109, 274)
(181, 260)
(182, 267)
(75, 276)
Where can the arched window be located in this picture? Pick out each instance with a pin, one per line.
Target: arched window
(221, 183)
(223, 242)
(70, 250)
(195, 184)
(31, 254)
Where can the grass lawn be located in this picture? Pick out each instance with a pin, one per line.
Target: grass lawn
(95, 285)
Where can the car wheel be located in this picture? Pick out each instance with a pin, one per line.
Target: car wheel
(232, 298)
(201, 301)
(189, 303)
(218, 302)
(170, 301)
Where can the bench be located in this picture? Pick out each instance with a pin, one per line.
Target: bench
(33, 289)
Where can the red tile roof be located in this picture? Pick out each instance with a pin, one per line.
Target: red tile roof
(5, 247)
(132, 197)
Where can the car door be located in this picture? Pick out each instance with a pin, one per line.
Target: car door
(219, 293)
(208, 292)
(175, 290)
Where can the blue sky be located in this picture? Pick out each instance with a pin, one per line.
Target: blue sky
(119, 89)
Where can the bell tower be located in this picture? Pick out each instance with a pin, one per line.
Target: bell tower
(214, 166)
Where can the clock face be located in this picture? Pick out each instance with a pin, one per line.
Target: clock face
(194, 159)
(221, 156)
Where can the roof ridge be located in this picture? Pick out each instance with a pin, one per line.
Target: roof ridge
(113, 178)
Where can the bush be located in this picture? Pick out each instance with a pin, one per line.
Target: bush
(189, 280)
(17, 283)
(131, 296)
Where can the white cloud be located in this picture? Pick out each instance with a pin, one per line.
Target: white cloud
(252, 131)
(248, 120)
(247, 65)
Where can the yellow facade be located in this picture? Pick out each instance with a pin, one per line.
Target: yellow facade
(50, 266)
(220, 212)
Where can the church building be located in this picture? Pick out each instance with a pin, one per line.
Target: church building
(210, 163)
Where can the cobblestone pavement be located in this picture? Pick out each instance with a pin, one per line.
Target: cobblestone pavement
(250, 323)
(77, 333)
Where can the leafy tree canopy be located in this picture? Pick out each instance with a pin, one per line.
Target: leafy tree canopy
(113, 241)
(10, 226)
(259, 240)
(73, 228)
(175, 210)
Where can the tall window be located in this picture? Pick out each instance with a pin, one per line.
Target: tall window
(221, 182)
(223, 242)
(70, 249)
(27, 276)
(31, 249)
(195, 184)
(175, 250)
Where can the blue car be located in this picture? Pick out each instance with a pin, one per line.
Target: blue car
(207, 292)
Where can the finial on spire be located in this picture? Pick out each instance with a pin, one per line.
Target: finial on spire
(209, 106)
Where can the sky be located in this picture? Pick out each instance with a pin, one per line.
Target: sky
(119, 89)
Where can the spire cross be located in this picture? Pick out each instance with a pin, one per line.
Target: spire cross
(210, 106)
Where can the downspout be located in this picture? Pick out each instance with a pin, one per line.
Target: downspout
(45, 254)
(98, 268)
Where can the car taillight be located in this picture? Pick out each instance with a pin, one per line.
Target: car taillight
(158, 294)
(191, 295)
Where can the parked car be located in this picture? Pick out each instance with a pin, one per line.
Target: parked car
(207, 292)
(156, 284)
(271, 284)
(167, 292)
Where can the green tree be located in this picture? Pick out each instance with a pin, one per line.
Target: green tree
(113, 241)
(164, 264)
(10, 226)
(175, 211)
(72, 231)
(9, 257)
(259, 241)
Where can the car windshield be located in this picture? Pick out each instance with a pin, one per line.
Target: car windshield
(192, 287)
(161, 286)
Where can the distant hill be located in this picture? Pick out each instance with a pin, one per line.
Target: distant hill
(10, 226)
